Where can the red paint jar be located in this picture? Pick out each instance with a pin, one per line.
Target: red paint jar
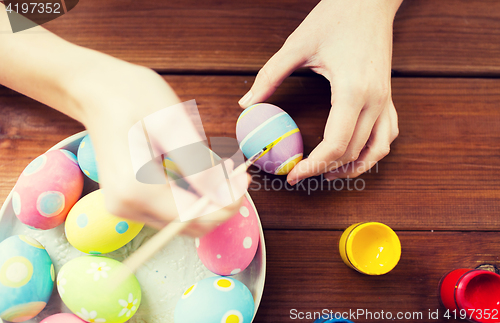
(447, 287)
(475, 291)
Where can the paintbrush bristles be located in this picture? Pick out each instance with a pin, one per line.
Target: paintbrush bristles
(163, 237)
(159, 240)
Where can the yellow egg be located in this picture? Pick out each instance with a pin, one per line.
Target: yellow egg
(90, 228)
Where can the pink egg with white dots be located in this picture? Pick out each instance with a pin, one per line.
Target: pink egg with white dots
(63, 318)
(47, 189)
(231, 247)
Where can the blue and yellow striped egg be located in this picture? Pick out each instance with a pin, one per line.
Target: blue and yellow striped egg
(90, 228)
(263, 124)
(26, 278)
(87, 160)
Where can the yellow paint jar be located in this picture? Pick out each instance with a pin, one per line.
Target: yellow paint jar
(372, 248)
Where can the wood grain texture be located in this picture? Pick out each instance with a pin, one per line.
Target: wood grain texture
(305, 272)
(455, 37)
(27, 129)
(440, 175)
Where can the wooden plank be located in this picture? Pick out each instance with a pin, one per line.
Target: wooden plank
(305, 272)
(27, 129)
(440, 174)
(454, 37)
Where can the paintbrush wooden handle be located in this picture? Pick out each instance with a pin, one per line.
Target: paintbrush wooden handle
(164, 236)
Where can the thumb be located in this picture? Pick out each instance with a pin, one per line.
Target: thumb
(270, 76)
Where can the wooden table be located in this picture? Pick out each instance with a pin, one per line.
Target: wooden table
(438, 189)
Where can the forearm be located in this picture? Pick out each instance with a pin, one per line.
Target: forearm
(394, 5)
(44, 67)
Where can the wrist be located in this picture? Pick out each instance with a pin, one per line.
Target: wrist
(385, 8)
(97, 83)
(392, 6)
(83, 79)
(108, 92)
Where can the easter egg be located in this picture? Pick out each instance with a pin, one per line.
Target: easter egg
(90, 228)
(215, 300)
(232, 245)
(63, 318)
(47, 189)
(91, 288)
(26, 278)
(87, 160)
(171, 169)
(262, 124)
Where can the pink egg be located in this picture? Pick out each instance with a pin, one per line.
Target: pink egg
(47, 189)
(63, 318)
(231, 247)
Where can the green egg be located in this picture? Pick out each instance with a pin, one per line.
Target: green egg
(91, 288)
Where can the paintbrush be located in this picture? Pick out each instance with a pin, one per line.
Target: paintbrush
(164, 236)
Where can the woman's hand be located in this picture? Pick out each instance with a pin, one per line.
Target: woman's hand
(113, 96)
(350, 44)
(109, 96)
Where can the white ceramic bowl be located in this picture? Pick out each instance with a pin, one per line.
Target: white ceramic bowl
(163, 278)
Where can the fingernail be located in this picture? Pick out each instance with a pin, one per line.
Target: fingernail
(245, 100)
(329, 179)
(293, 182)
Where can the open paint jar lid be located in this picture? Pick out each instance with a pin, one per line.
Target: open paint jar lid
(372, 248)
